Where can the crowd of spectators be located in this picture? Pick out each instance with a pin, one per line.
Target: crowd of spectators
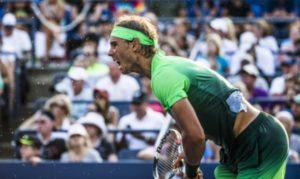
(73, 125)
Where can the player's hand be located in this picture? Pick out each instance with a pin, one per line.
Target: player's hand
(179, 161)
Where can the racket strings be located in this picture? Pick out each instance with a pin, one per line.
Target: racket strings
(168, 155)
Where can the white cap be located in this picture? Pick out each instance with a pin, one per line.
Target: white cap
(247, 57)
(77, 129)
(219, 24)
(285, 114)
(247, 39)
(96, 120)
(9, 19)
(251, 69)
(77, 73)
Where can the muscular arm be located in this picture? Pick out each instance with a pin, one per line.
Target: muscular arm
(192, 132)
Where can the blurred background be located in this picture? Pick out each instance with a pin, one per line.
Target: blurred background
(63, 99)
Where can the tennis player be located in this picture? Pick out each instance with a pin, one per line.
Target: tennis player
(204, 105)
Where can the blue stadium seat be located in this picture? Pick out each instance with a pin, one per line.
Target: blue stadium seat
(126, 154)
(122, 106)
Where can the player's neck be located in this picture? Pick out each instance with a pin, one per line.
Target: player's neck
(144, 66)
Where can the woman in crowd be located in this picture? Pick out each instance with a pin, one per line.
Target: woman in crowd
(60, 106)
(79, 146)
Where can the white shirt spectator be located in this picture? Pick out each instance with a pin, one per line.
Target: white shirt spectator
(86, 94)
(20, 40)
(277, 86)
(264, 58)
(270, 43)
(152, 120)
(229, 48)
(123, 90)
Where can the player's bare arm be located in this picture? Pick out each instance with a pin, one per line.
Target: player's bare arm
(193, 136)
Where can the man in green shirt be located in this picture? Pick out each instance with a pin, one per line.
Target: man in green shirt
(204, 105)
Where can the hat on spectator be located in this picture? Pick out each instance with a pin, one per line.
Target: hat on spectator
(251, 70)
(9, 19)
(247, 39)
(100, 93)
(77, 73)
(95, 119)
(248, 58)
(296, 99)
(219, 25)
(47, 113)
(285, 114)
(30, 140)
(77, 129)
(139, 97)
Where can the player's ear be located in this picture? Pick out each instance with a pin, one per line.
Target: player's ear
(136, 45)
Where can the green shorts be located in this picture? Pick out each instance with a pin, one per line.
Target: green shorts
(260, 151)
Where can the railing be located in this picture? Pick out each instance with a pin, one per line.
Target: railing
(122, 169)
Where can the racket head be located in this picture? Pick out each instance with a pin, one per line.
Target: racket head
(168, 150)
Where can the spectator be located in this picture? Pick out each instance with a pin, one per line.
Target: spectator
(21, 9)
(260, 82)
(249, 74)
(54, 11)
(288, 45)
(95, 69)
(102, 106)
(154, 103)
(77, 89)
(204, 9)
(263, 57)
(289, 68)
(79, 146)
(231, 34)
(286, 118)
(17, 39)
(8, 60)
(263, 33)
(30, 149)
(214, 55)
(236, 8)
(295, 107)
(60, 105)
(105, 26)
(53, 143)
(96, 128)
(141, 117)
(119, 87)
(224, 27)
(17, 42)
(280, 8)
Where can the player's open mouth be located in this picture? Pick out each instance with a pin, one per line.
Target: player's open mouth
(117, 61)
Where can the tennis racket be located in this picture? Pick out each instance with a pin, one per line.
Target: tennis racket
(168, 150)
